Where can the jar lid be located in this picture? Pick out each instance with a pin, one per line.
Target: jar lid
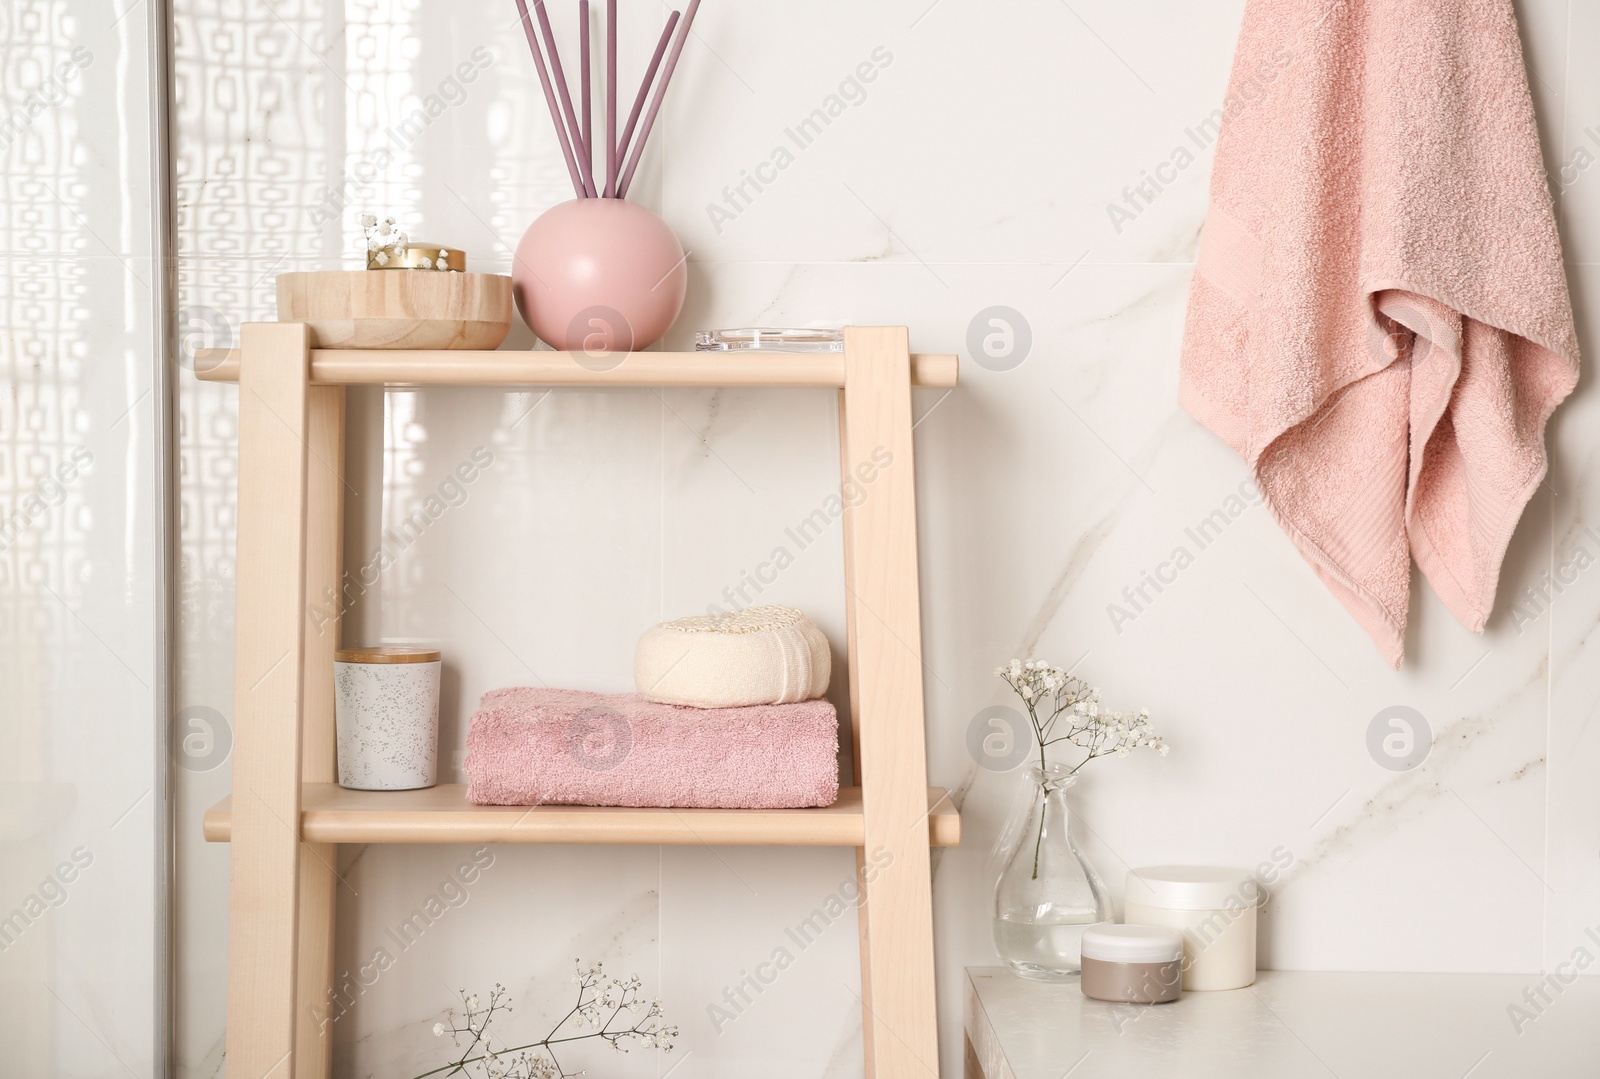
(387, 653)
(1132, 944)
(1191, 887)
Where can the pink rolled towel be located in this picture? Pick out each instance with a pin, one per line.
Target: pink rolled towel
(1379, 321)
(570, 747)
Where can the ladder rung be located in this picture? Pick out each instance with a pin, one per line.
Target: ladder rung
(442, 814)
(510, 367)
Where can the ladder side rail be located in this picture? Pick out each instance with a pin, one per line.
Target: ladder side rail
(268, 671)
(316, 1007)
(881, 585)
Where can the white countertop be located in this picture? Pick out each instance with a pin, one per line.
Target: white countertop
(1289, 1024)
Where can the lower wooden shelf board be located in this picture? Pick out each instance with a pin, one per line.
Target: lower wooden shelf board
(442, 814)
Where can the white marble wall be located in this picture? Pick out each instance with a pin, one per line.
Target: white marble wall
(975, 172)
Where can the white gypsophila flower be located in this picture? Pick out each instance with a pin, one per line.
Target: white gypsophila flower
(472, 1001)
(368, 220)
(381, 258)
(1064, 708)
(425, 263)
(438, 1030)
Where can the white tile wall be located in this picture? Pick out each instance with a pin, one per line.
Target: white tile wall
(975, 172)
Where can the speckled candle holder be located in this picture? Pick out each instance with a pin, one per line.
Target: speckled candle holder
(386, 711)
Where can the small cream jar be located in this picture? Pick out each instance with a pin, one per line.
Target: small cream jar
(1132, 964)
(1214, 909)
(386, 716)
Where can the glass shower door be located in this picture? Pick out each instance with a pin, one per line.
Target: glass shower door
(83, 784)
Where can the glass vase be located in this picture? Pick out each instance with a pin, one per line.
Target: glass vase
(1047, 893)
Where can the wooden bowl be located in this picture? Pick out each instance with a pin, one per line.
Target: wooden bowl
(398, 308)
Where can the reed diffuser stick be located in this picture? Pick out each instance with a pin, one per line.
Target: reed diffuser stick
(661, 92)
(550, 98)
(644, 86)
(611, 99)
(583, 82)
(560, 79)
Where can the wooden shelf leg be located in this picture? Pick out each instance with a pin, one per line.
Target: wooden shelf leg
(884, 617)
(315, 1012)
(269, 640)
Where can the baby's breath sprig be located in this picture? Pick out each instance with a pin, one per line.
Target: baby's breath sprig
(385, 240)
(1062, 697)
(608, 1008)
(1063, 708)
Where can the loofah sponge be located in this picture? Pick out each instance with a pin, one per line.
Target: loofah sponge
(760, 655)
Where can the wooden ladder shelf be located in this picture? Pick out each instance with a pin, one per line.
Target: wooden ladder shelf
(287, 814)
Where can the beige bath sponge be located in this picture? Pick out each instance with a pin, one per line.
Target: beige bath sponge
(760, 655)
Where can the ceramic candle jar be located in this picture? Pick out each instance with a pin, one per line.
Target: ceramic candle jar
(386, 711)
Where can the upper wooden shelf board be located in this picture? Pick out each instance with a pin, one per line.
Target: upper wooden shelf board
(508, 367)
(442, 814)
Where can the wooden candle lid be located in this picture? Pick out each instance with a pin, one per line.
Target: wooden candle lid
(387, 653)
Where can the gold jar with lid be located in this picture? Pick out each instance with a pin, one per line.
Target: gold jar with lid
(417, 256)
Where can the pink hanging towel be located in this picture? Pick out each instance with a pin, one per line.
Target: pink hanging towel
(1379, 320)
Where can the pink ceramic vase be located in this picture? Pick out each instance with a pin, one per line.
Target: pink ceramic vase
(599, 275)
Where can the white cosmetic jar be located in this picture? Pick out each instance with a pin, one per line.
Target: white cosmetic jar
(1215, 910)
(386, 715)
